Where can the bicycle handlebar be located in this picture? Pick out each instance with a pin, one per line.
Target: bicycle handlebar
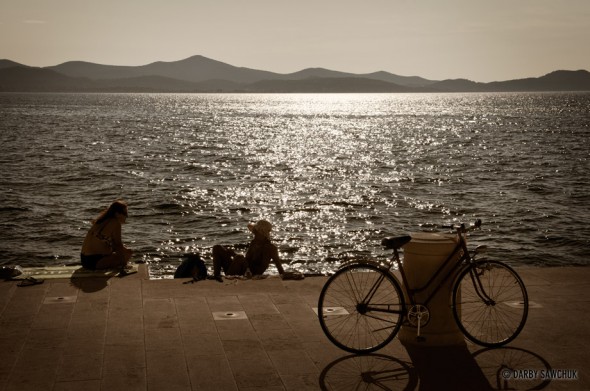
(462, 228)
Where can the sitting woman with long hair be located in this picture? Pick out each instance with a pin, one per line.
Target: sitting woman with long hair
(103, 247)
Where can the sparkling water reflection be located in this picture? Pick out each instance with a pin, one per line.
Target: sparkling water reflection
(334, 173)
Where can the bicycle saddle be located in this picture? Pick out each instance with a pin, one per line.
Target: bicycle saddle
(395, 242)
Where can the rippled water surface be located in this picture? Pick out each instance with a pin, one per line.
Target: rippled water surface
(333, 173)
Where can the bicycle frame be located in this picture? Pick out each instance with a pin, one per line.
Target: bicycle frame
(464, 259)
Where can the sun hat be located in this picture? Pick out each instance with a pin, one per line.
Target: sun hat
(263, 227)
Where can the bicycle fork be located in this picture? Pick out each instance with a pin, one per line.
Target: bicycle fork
(479, 289)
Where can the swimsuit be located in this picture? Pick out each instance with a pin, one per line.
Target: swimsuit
(103, 238)
(90, 261)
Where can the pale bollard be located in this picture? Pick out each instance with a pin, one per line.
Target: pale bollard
(423, 256)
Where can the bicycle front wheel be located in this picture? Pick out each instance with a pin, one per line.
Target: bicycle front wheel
(361, 308)
(490, 303)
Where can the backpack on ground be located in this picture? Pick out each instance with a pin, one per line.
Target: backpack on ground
(8, 272)
(191, 266)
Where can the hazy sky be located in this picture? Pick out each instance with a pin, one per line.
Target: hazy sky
(481, 40)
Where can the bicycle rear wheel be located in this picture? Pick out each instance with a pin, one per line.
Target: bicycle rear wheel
(490, 303)
(361, 308)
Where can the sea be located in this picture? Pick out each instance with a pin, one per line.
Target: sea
(333, 173)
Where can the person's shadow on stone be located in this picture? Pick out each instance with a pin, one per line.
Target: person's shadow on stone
(88, 284)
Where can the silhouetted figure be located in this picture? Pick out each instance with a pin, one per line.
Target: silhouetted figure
(258, 257)
(103, 247)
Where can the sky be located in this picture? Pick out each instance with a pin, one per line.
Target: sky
(479, 40)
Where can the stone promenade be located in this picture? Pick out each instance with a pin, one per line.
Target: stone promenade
(131, 333)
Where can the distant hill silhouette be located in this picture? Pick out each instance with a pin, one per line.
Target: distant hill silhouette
(193, 69)
(10, 64)
(326, 84)
(28, 79)
(201, 74)
(554, 81)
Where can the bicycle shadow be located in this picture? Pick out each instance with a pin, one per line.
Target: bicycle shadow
(500, 364)
(368, 372)
(436, 368)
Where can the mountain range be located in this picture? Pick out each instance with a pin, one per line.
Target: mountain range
(201, 74)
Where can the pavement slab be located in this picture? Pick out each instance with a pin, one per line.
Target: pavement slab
(132, 333)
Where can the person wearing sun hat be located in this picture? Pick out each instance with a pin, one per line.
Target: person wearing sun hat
(258, 257)
(262, 227)
(261, 251)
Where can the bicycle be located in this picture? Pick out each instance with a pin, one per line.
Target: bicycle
(362, 306)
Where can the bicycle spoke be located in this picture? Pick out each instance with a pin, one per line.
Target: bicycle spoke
(486, 302)
(373, 308)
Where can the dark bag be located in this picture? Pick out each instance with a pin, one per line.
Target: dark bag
(191, 266)
(8, 272)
